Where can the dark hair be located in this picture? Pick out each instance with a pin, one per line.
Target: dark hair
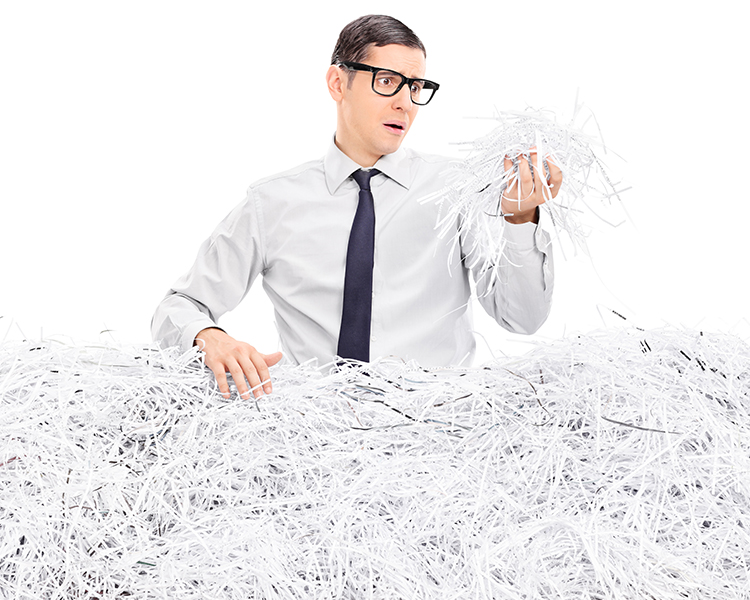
(358, 36)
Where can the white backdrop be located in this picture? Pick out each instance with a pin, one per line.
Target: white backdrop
(130, 129)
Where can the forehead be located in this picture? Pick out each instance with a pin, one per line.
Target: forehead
(407, 61)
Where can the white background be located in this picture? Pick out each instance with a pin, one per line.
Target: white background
(129, 129)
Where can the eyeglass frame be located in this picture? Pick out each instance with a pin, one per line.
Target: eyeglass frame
(355, 66)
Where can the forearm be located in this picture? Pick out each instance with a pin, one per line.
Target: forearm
(517, 291)
(178, 319)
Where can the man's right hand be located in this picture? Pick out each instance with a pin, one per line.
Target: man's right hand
(224, 354)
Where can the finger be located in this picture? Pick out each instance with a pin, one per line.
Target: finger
(270, 360)
(221, 380)
(525, 179)
(555, 177)
(531, 159)
(273, 358)
(534, 159)
(510, 192)
(541, 187)
(243, 374)
(260, 375)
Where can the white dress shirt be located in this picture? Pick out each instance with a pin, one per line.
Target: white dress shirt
(293, 229)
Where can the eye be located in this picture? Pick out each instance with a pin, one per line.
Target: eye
(386, 81)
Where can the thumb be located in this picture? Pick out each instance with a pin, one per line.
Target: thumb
(272, 359)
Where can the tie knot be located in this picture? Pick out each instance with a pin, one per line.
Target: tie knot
(363, 178)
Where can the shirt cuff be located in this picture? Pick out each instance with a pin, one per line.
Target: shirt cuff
(521, 236)
(193, 329)
(527, 236)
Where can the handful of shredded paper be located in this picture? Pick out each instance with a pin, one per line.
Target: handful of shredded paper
(609, 465)
(475, 184)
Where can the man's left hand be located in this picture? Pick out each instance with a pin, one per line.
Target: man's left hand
(534, 186)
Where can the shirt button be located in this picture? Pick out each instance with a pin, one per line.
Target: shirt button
(373, 339)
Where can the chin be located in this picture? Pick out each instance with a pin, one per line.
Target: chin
(391, 147)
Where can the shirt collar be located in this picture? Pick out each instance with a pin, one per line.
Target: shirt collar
(338, 167)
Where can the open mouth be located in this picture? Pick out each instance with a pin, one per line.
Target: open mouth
(395, 127)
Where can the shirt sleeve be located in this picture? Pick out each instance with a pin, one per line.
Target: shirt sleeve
(516, 289)
(226, 266)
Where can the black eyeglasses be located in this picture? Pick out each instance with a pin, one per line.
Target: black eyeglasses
(389, 83)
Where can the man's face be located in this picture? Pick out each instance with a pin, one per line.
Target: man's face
(369, 125)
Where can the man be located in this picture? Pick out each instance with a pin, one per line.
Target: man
(301, 230)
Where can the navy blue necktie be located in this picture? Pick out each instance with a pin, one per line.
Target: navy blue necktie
(354, 336)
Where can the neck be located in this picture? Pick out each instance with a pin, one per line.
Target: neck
(362, 158)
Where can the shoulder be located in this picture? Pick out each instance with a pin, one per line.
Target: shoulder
(311, 170)
(272, 191)
(417, 158)
(426, 171)
(423, 165)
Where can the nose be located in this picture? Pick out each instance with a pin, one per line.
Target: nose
(402, 99)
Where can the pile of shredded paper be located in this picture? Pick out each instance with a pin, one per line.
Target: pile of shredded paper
(610, 465)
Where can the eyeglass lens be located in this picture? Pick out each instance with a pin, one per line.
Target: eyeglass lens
(387, 82)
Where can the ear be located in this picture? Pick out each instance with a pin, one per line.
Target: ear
(336, 81)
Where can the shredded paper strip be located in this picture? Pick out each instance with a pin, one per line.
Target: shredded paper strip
(610, 465)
